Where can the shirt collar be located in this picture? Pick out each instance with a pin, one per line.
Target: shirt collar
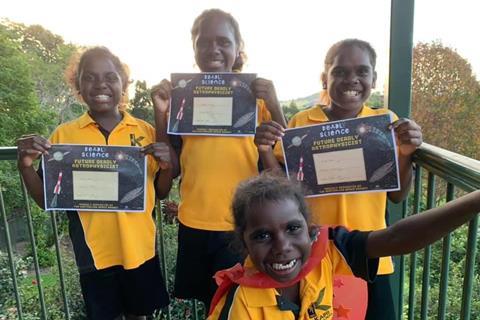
(85, 120)
(316, 113)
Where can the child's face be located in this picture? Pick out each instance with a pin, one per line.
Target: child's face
(100, 84)
(277, 239)
(350, 79)
(215, 46)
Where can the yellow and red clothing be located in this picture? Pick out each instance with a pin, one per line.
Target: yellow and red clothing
(246, 293)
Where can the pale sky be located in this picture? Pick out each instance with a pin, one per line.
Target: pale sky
(285, 41)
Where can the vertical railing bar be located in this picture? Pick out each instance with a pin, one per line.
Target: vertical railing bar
(10, 256)
(402, 268)
(442, 296)
(427, 253)
(469, 269)
(195, 310)
(413, 256)
(34, 250)
(53, 216)
(163, 258)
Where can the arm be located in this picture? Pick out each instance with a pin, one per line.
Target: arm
(266, 135)
(409, 137)
(420, 230)
(264, 89)
(30, 147)
(162, 149)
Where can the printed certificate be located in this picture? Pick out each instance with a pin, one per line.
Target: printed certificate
(94, 178)
(355, 155)
(212, 104)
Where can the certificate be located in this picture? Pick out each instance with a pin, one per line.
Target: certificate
(221, 104)
(94, 178)
(349, 156)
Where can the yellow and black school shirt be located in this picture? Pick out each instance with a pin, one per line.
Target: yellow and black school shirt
(346, 254)
(211, 168)
(356, 211)
(104, 239)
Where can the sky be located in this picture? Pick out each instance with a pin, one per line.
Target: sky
(285, 41)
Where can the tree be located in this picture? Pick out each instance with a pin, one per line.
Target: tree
(141, 105)
(445, 99)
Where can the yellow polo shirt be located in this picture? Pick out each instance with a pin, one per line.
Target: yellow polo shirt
(316, 289)
(211, 168)
(105, 239)
(360, 211)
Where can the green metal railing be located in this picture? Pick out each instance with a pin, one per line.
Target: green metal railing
(459, 173)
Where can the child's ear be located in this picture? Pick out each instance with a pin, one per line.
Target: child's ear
(323, 78)
(374, 81)
(313, 231)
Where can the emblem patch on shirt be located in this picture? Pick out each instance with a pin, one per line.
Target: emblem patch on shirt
(325, 309)
(135, 141)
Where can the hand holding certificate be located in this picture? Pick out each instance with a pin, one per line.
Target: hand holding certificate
(212, 104)
(94, 178)
(355, 155)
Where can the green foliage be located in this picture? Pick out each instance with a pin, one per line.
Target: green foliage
(141, 105)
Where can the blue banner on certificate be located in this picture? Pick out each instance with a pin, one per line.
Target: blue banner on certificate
(356, 155)
(212, 104)
(94, 178)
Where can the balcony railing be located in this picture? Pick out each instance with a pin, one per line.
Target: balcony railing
(461, 174)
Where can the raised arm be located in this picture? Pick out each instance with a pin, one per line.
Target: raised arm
(162, 150)
(30, 148)
(409, 137)
(420, 230)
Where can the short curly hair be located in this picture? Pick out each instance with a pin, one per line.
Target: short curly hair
(212, 13)
(77, 61)
(268, 186)
(347, 43)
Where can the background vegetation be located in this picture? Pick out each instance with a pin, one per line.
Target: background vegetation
(34, 99)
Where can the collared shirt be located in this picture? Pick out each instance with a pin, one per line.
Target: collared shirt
(359, 211)
(105, 239)
(345, 255)
(211, 168)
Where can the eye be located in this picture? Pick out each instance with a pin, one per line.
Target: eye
(224, 42)
(364, 71)
(294, 228)
(338, 72)
(261, 236)
(112, 77)
(88, 77)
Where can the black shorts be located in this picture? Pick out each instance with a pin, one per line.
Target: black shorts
(111, 292)
(380, 300)
(201, 253)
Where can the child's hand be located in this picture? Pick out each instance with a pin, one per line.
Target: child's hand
(408, 134)
(267, 134)
(264, 89)
(30, 147)
(160, 95)
(161, 152)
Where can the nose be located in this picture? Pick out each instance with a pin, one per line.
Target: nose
(100, 82)
(281, 245)
(352, 77)
(213, 47)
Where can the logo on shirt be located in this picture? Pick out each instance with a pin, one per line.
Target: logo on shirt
(135, 141)
(325, 310)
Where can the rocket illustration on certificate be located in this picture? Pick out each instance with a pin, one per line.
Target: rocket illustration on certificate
(212, 104)
(355, 155)
(94, 178)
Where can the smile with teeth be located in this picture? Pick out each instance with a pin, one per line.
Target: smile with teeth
(101, 97)
(351, 93)
(284, 266)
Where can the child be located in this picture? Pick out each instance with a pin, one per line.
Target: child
(115, 252)
(212, 166)
(289, 271)
(348, 78)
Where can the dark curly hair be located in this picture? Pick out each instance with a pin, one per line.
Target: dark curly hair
(268, 186)
(213, 13)
(77, 61)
